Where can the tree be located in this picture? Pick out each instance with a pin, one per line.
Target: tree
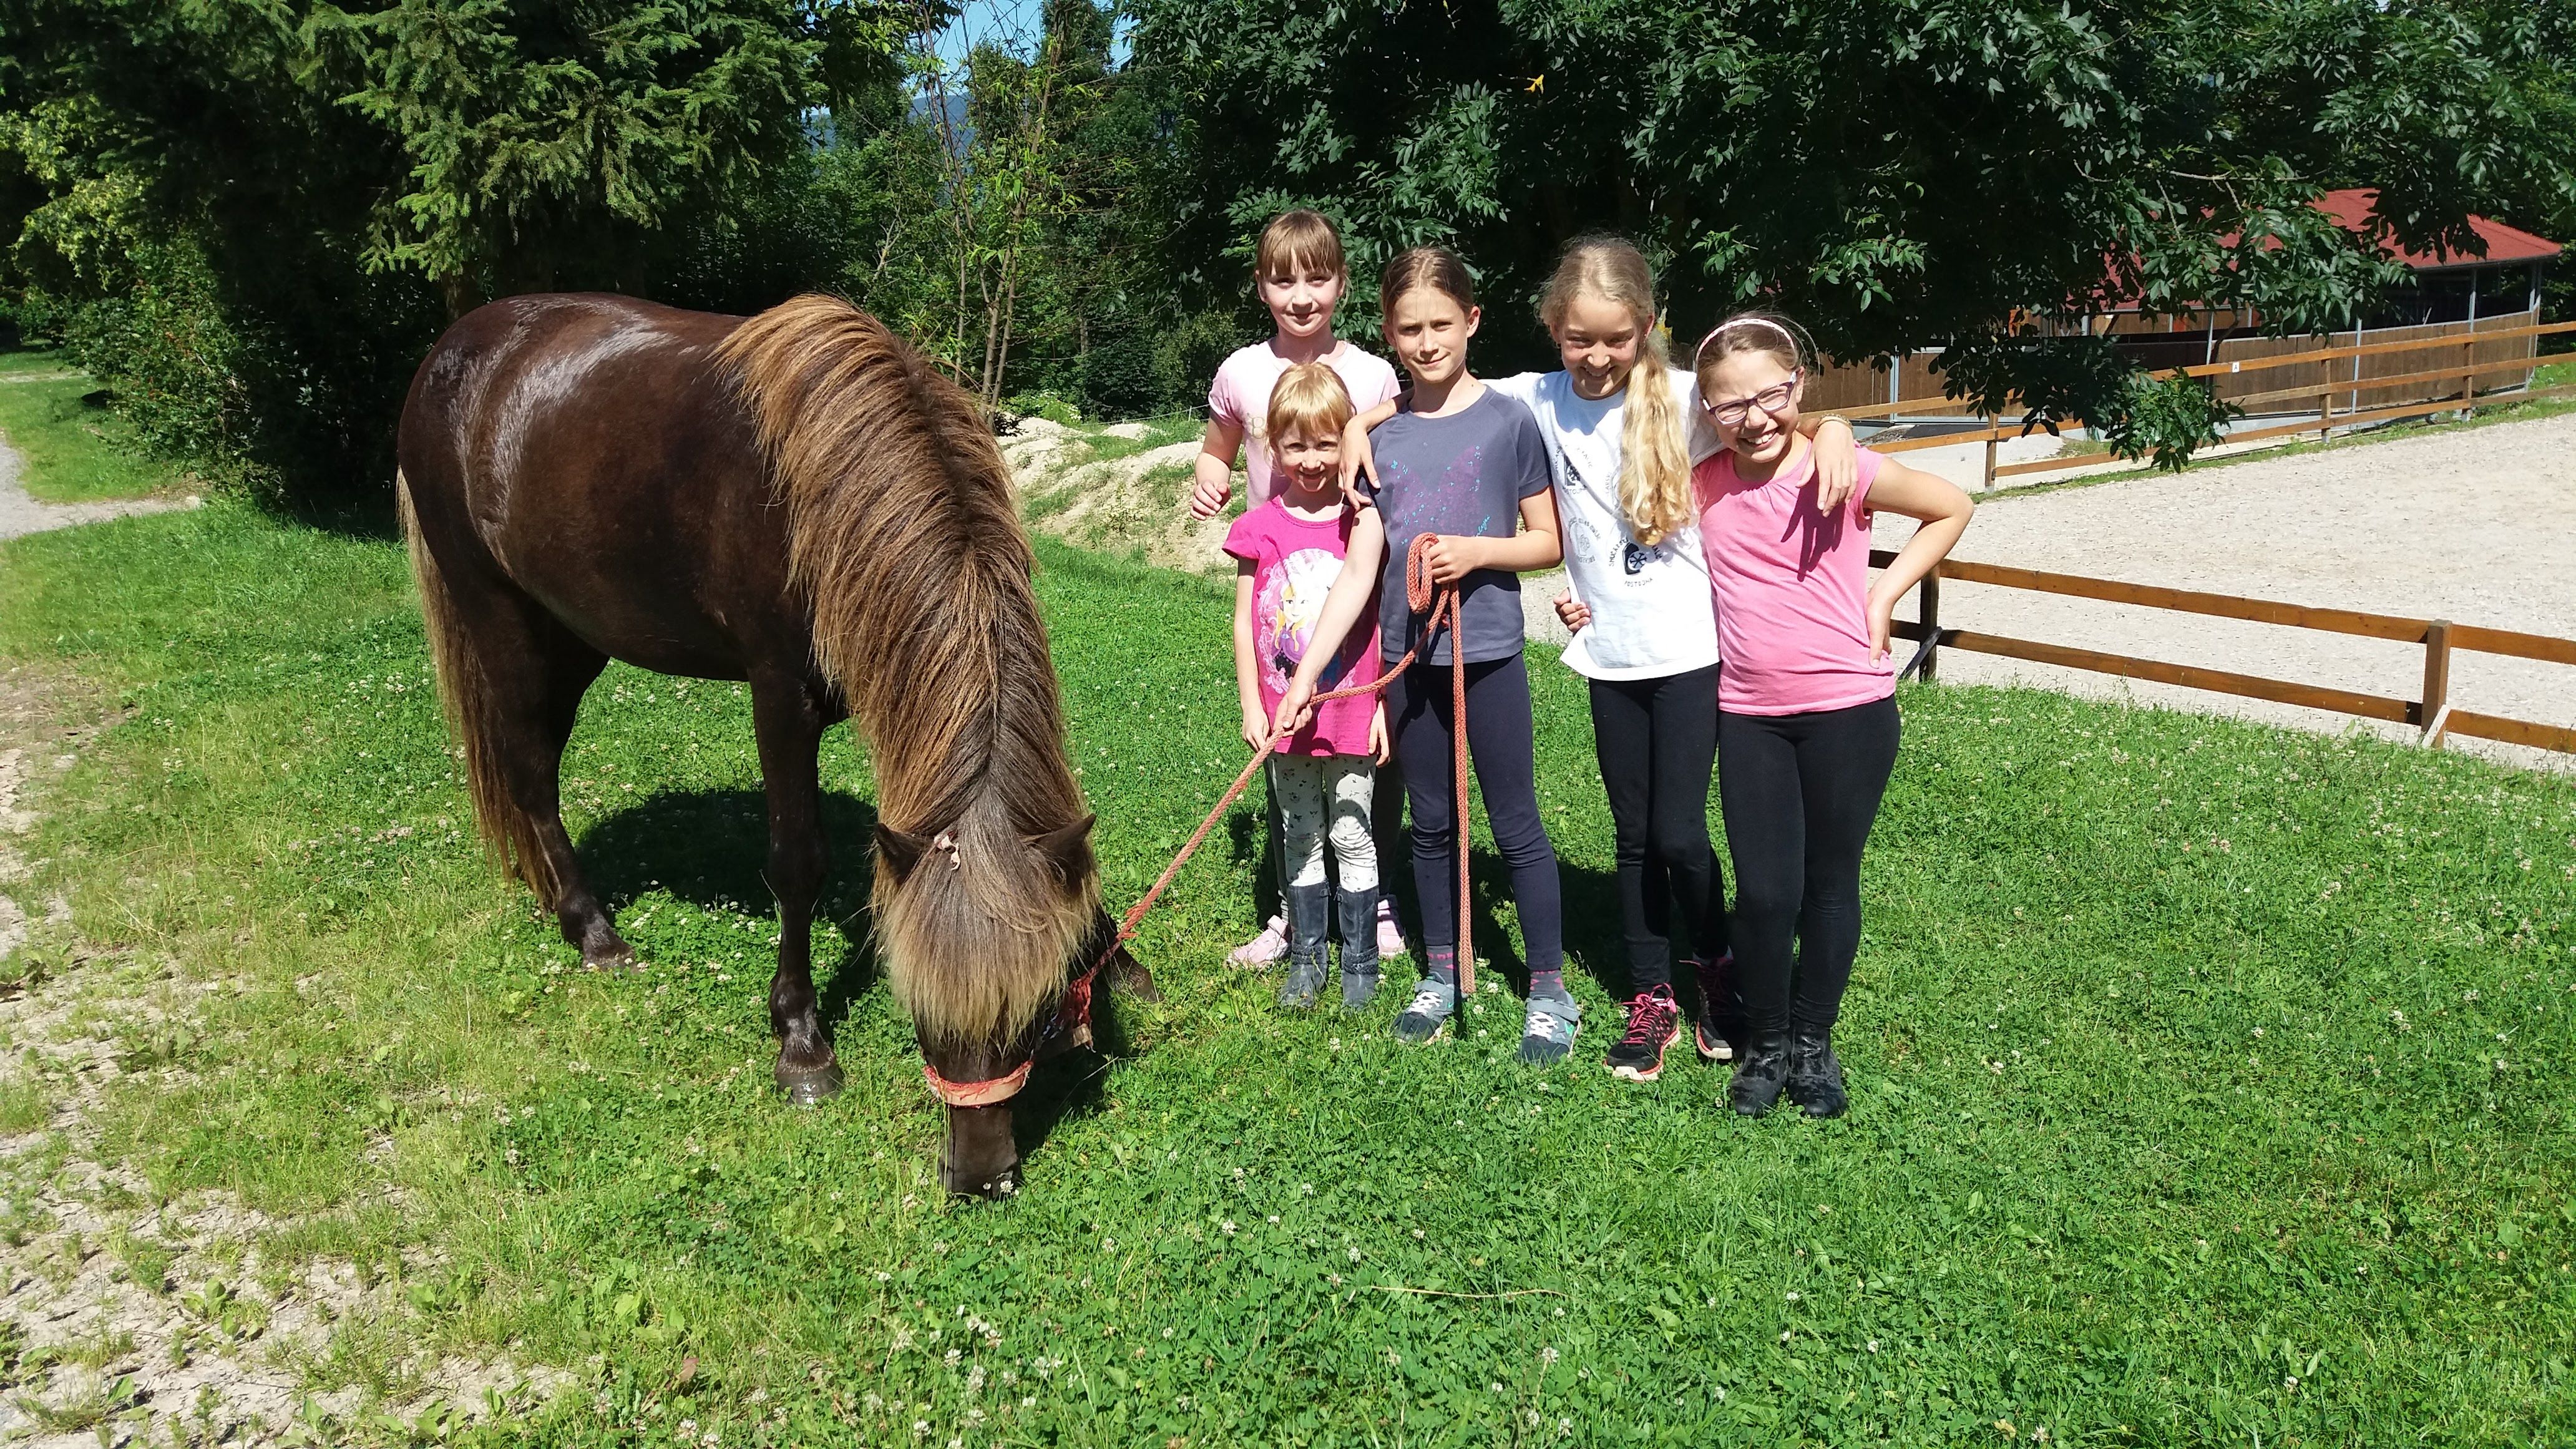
(310, 187)
(1900, 173)
(547, 139)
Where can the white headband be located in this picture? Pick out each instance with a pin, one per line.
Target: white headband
(1748, 321)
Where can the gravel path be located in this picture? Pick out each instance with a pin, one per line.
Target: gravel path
(21, 515)
(2471, 526)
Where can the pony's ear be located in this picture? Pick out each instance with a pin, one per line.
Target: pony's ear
(899, 852)
(1068, 849)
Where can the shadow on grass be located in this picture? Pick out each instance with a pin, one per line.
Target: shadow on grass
(710, 848)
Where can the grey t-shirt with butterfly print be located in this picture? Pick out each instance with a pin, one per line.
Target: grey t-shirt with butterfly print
(1652, 613)
(1465, 473)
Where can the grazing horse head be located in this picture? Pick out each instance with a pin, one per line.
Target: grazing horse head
(905, 540)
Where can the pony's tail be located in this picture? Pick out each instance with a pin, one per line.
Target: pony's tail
(509, 837)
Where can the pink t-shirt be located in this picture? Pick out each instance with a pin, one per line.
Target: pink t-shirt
(1241, 396)
(1294, 563)
(1792, 590)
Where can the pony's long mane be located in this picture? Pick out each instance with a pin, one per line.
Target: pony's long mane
(907, 544)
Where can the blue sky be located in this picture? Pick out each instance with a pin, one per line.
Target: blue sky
(983, 18)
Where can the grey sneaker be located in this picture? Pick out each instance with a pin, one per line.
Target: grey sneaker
(1548, 1032)
(1434, 1001)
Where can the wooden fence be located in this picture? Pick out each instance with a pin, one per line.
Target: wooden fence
(2445, 378)
(2432, 713)
(1908, 385)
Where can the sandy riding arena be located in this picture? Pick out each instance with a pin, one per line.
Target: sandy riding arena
(2466, 525)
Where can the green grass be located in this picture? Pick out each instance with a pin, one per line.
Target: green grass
(2212, 1081)
(72, 445)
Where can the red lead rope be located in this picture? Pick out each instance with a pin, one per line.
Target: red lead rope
(1440, 602)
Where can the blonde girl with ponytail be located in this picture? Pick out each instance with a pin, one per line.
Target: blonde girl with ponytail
(1623, 428)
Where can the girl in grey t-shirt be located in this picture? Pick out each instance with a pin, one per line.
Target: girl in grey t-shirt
(1469, 469)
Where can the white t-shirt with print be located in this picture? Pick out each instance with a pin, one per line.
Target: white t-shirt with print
(1652, 613)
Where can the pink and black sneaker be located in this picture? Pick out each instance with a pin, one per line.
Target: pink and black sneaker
(1654, 1024)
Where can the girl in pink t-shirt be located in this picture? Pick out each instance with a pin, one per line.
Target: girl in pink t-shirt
(1288, 552)
(1806, 696)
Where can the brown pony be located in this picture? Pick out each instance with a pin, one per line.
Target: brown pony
(801, 501)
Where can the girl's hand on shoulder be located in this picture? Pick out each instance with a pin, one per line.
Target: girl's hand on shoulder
(1381, 743)
(1837, 465)
(1452, 557)
(1573, 613)
(1256, 730)
(1359, 461)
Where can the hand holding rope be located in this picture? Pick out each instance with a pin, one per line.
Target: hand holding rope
(1423, 597)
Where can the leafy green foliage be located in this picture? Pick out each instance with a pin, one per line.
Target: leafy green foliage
(1897, 173)
(249, 221)
(535, 135)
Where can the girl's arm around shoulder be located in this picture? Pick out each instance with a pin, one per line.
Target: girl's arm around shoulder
(1357, 456)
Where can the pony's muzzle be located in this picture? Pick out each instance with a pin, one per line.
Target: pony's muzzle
(980, 1158)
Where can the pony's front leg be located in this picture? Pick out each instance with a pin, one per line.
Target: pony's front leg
(789, 721)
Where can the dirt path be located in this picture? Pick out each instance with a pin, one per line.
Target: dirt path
(21, 514)
(2471, 526)
(127, 1317)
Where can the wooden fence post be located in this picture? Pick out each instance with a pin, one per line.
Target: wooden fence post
(1990, 454)
(2325, 415)
(2469, 375)
(2437, 683)
(1927, 607)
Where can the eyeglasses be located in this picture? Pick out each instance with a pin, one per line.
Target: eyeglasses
(1769, 400)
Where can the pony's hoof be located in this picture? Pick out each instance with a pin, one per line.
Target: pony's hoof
(621, 957)
(806, 1086)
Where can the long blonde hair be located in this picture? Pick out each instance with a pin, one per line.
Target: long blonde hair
(1654, 465)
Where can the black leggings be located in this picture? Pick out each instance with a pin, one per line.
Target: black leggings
(1499, 735)
(1800, 792)
(1656, 739)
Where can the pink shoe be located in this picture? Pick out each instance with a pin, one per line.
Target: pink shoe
(1390, 937)
(1265, 949)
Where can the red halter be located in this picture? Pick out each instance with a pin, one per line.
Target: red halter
(977, 1094)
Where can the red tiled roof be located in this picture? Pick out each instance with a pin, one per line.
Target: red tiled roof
(2351, 209)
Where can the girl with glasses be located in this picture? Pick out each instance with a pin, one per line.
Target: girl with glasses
(1807, 724)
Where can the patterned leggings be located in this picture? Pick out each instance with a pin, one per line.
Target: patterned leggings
(1317, 793)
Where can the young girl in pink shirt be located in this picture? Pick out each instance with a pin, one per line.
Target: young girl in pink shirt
(1807, 724)
(1288, 553)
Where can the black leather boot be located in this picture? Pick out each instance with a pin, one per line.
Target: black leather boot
(1815, 1074)
(1309, 912)
(1761, 1068)
(1356, 913)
